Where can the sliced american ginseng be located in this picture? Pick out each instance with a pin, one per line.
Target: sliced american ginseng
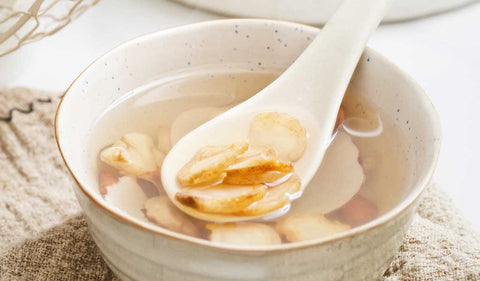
(257, 165)
(161, 211)
(338, 179)
(134, 154)
(209, 164)
(191, 119)
(280, 131)
(255, 178)
(221, 198)
(243, 234)
(301, 227)
(127, 196)
(275, 198)
(163, 139)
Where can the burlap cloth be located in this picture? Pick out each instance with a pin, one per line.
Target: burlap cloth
(43, 235)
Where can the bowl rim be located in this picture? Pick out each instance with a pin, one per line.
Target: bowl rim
(396, 211)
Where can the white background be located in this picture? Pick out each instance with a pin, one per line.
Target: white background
(440, 52)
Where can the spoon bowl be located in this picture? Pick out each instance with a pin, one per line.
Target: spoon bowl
(222, 126)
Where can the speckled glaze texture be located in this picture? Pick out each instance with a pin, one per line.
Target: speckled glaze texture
(137, 250)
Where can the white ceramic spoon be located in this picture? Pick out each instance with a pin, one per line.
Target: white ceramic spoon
(311, 90)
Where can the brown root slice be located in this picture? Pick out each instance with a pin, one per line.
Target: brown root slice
(255, 178)
(257, 165)
(107, 178)
(209, 164)
(275, 198)
(221, 198)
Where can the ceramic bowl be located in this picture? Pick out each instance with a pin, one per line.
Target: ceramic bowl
(137, 250)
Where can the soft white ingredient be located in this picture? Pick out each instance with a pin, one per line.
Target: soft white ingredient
(127, 196)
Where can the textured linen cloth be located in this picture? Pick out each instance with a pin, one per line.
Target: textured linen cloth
(43, 235)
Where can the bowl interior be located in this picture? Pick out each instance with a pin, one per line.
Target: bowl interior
(256, 45)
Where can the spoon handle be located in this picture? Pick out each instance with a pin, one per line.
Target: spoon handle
(326, 66)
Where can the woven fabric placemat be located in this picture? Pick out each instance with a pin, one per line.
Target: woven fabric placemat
(44, 236)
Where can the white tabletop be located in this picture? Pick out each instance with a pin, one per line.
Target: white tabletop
(440, 52)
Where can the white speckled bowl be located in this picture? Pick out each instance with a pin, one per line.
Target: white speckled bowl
(136, 250)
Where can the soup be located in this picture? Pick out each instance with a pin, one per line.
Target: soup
(361, 176)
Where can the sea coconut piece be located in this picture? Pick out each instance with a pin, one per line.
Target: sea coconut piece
(127, 196)
(161, 211)
(338, 179)
(258, 164)
(280, 131)
(275, 198)
(302, 227)
(191, 119)
(134, 154)
(243, 234)
(209, 164)
(221, 198)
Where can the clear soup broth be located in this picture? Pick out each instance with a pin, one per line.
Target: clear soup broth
(364, 174)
